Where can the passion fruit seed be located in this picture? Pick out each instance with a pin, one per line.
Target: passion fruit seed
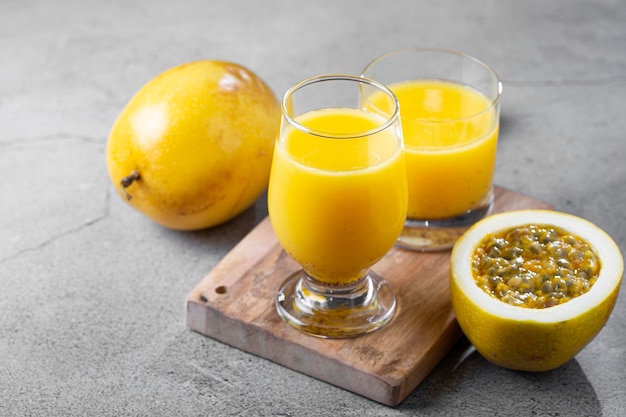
(535, 266)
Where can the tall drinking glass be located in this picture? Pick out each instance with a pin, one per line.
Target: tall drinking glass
(337, 202)
(450, 111)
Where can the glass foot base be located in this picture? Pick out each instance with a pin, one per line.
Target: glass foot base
(434, 235)
(336, 311)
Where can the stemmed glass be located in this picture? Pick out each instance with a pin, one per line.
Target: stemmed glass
(337, 202)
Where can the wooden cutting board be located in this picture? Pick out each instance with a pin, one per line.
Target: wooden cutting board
(234, 304)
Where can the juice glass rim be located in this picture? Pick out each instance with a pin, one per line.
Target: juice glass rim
(493, 102)
(288, 115)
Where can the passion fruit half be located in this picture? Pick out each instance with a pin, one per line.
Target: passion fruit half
(526, 338)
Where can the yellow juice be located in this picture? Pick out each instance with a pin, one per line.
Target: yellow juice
(337, 205)
(450, 133)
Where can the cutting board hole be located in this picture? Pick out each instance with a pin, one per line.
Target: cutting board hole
(221, 289)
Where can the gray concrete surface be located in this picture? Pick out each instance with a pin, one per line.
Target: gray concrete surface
(92, 293)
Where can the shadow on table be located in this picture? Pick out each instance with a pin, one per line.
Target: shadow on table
(225, 235)
(467, 384)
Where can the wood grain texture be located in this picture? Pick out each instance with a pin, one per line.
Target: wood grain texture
(234, 304)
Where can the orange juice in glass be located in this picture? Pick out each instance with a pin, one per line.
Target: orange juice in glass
(449, 107)
(337, 201)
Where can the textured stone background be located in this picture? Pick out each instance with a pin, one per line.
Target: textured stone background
(92, 294)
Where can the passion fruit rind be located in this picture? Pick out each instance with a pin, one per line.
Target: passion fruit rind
(526, 338)
(540, 345)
